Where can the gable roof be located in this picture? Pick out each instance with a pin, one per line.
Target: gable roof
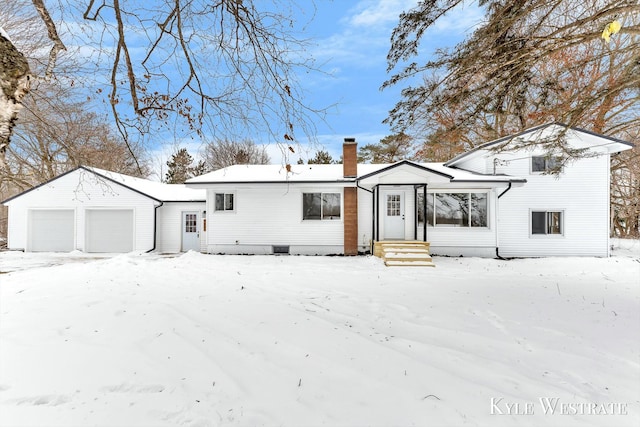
(157, 191)
(618, 144)
(322, 173)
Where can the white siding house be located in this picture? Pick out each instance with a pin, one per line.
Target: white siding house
(93, 210)
(577, 199)
(494, 200)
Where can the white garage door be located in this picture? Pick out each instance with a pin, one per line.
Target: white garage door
(51, 230)
(109, 230)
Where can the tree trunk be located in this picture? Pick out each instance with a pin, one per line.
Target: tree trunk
(14, 82)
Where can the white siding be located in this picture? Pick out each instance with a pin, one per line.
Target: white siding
(365, 220)
(580, 192)
(81, 190)
(169, 227)
(268, 215)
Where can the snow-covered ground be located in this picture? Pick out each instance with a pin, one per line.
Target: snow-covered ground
(200, 340)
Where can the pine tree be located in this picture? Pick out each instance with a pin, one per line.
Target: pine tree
(180, 168)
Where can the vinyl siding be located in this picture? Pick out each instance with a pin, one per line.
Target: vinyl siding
(81, 190)
(581, 192)
(169, 228)
(269, 215)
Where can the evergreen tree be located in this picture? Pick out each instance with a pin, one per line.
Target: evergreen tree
(390, 149)
(322, 157)
(180, 168)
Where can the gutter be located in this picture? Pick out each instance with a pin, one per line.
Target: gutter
(155, 226)
(497, 233)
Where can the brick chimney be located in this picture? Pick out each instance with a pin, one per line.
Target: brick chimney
(350, 170)
(350, 158)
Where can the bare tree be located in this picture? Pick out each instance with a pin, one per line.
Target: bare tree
(221, 153)
(514, 70)
(214, 67)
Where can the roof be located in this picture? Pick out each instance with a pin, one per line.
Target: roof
(619, 145)
(321, 173)
(155, 190)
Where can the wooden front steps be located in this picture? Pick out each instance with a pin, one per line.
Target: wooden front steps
(407, 253)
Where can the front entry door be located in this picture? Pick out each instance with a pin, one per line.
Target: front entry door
(394, 216)
(190, 232)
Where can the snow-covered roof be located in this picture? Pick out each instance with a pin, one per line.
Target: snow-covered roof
(153, 189)
(585, 137)
(156, 190)
(239, 174)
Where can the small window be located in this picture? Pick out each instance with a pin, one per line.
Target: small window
(224, 202)
(546, 222)
(323, 206)
(545, 164)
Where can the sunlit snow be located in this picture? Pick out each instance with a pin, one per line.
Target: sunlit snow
(205, 340)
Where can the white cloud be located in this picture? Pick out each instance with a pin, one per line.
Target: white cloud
(379, 13)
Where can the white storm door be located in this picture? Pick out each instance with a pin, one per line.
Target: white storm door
(51, 230)
(190, 232)
(394, 216)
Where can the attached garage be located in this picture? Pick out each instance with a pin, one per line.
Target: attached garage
(109, 230)
(93, 210)
(51, 230)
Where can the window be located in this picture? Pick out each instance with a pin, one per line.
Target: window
(544, 222)
(321, 206)
(224, 202)
(393, 205)
(454, 209)
(190, 223)
(545, 164)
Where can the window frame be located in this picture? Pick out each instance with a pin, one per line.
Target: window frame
(548, 164)
(546, 213)
(224, 202)
(322, 206)
(431, 222)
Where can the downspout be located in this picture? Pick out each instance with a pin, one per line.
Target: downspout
(497, 219)
(155, 226)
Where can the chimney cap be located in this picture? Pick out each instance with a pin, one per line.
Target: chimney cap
(349, 140)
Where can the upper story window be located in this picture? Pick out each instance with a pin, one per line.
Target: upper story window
(454, 209)
(224, 202)
(321, 206)
(545, 164)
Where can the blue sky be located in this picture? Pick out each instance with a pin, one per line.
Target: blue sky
(349, 41)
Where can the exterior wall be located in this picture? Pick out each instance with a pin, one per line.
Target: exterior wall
(465, 241)
(81, 190)
(170, 227)
(365, 221)
(580, 192)
(271, 215)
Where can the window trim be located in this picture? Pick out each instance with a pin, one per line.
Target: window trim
(546, 159)
(546, 225)
(225, 194)
(322, 193)
(468, 226)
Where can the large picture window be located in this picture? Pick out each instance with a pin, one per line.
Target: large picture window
(454, 209)
(224, 202)
(546, 222)
(322, 206)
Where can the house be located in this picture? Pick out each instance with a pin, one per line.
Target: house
(94, 210)
(495, 200)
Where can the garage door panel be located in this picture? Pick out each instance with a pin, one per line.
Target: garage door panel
(51, 230)
(109, 230)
